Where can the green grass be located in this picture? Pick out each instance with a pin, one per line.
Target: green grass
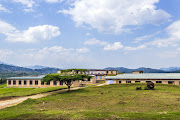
(16, 92)
(120, 101)
(2, 85)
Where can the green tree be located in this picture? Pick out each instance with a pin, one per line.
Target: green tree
(66, 79)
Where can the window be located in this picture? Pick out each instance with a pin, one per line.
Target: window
(61, 82)
(100, 77)
(25, 82)
(89, 79)
(170, 82)
(19, 82)
(137, 81)
(48, 83)
(158, 81)
(14, 82)
(42, 83)
(102, 72)
(98, 72)
(36, 82)
(119, 81)
(148, 81)
(30, 82)
(128, 81)
(9, 82)
(91, 72)
(54, 82)
(96, 77)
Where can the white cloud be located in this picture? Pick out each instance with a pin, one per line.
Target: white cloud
(94, 41)
(4, 54)
(135, 48)
(28, 3)
(88, 34)
(53, 1)
(173, 32)
(34, 34)
(145, 37)
(6, 27)
(55, 50)
(82, 50)
(56, 56)
(29, 10)
(113, 15)
(2, 8)
(115, 46)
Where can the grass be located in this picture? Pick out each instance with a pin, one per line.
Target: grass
(16, 92)
(2, 85)
(120, 101)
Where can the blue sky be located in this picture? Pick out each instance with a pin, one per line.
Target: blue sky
(90, 33)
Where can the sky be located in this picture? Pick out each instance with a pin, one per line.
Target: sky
(90, 33)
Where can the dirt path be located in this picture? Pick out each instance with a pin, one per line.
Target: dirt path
(15, 101)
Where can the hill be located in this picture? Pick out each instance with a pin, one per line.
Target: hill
(13, 71)
(127, 70)
(170, 69)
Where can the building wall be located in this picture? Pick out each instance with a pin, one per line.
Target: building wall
(75, 84)
(175, 82)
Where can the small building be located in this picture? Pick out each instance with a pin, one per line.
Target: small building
(99, 75)
(34, 82)
(164, 78)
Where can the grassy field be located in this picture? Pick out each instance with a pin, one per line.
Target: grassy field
(15, 92)
(121, 101)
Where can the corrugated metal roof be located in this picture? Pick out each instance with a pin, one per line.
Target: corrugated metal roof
(146, 76)
(26, 78)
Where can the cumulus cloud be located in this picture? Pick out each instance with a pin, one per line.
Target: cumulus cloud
(115, 46)
(56, 56)
(53, 1)
(173, 32)
(32, 34)
(82, 50)
(113, 15)
(135, 48)
(28, 3)
(94, 41)
(6, 27)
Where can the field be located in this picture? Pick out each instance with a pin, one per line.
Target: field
(121, 101)
(6, 93)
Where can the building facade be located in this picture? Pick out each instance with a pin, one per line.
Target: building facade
(164, 78)
(34, 82)
(98, 75)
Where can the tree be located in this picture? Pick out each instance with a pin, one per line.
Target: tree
(66, 79)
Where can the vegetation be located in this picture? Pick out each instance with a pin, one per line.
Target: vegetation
(67, 79)
(2, 85)
(16, 92)
(120, 101)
